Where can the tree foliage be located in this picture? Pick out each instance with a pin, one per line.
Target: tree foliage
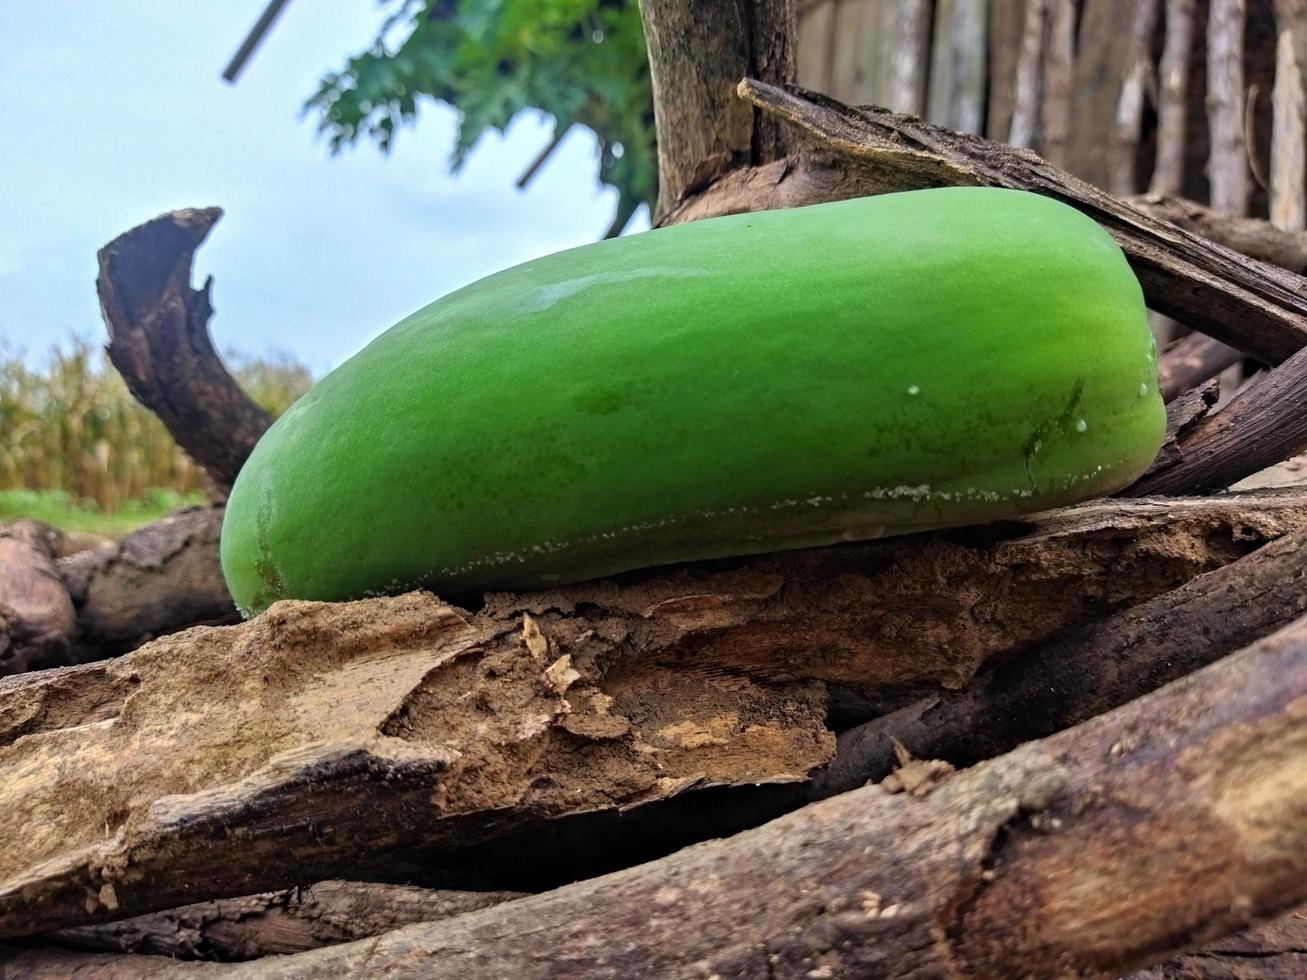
(579, 61)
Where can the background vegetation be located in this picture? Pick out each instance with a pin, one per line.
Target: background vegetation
(579, 61)
(77, 451)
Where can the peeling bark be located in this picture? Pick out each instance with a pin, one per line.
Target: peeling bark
(334, 740)
(288, 921)
(1068, 856)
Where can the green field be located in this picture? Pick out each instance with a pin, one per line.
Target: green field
(58, 509)
(78, 452)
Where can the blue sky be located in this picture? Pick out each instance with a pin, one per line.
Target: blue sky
(114, 112)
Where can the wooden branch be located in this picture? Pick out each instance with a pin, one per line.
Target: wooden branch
(1173, 98)
(1191, 361)
(697, 53)
(36, 615)
(1288, 206)
(287, 921)
(1067, 857)
(159, 579)
(1084, 673)
(545, 153)
(1258, 309)
(1275, 950)
(1227, 165)
(1253, 237)
(1262, 425)
(309, 742)
(159, 341)
(957, 67)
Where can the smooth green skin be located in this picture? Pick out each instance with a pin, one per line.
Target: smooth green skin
(737, 385)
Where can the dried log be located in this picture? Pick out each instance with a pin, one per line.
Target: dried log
(1086, 672)
(1191, 361)
(159, 341)
(1262, 425)
(1259, 309)
(1173, 97)
(1068, 856)
(310, 742)
(1227, 165)
(1275, 950)
(1253, 237)
(36, 615)
(288, 921)
(159, 579)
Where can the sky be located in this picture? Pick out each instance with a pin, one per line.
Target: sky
(115, 111)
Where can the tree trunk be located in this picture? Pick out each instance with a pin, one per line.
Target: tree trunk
(697, 55)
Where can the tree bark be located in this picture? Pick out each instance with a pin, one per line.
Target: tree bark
(697, 54)
(1227, 165)
(1193, 360)
(497, 749)
(1086, 672)
(157, 580)
(1173, 98)
(159, 341)
(275, 923)
(1170, 821)
(37, 620)
(1253, 237)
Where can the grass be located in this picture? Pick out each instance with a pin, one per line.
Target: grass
(77, 451)
(58, 509)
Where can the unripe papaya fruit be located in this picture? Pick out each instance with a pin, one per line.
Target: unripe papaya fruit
(736, 385)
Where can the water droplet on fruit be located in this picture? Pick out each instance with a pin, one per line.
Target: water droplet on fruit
(914, 389)
(1081, 425)
(1143, 388)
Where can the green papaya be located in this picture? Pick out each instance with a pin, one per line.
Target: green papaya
(742, 384)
